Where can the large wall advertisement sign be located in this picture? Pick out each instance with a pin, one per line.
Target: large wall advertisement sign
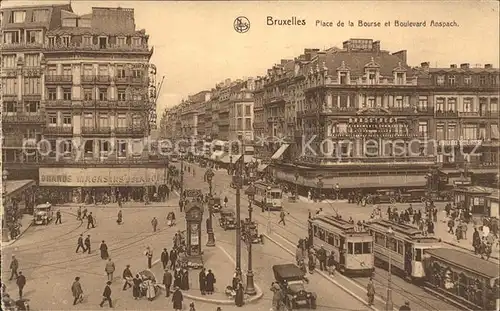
(102, 177)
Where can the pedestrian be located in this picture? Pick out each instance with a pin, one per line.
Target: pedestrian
(476, 241)
(84, 213)
(77, 291)
(218, 309)
(282, 218)
(177, 277)
(225, 201)
(106, 295)
(21, 281)
(87, 244)
(164, 258)
(167, 281)
(277, 295)
(330, 264)
(173, 258)
(104, 250)
(150, 289)
(191, 305)
(90, 221)
(202, 280)
(238, 298)
(14, 265)
(185, 279)
(127, 277)
(149, 253)
(370, 292)
(311, 261)
(209, 282)
(119, 219)
(80, 244)
(136, 289)
(321, 254)
(177, 299)
(451, 224)
(154, 223)
(79, 213)
(58, 218)
(110, 268)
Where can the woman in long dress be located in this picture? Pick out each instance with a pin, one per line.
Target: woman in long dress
(136, 289)
(185, 280)
(238, 299)
(150, 290)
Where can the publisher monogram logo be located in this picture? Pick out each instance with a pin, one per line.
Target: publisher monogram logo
(241, 24)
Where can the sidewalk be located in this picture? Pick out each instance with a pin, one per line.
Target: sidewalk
(171, 202)
(215, 259)
(26, 222)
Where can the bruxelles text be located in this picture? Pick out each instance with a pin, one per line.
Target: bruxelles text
(310, 146)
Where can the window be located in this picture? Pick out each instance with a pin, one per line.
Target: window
(400, 247)
(136, 41)
(32, 86)
(9, 86)
(65, 41)
(52, 118)
(103, 120)
(8, 61)
(440, 104)
(103, 70)
(89, 147)
(103, 94)
(248, 124)
(52, 41)
(468, 105)
(17, 17)
(372, 77)
(451, 80)
(398, 102)
(358, 248)
(52, 70)
(482, 80)
(10, 37)
(422, 128)
(9, 106)
(367, 248)
(34, 36)
(88, 119)
(467, 80)
(380, 239)
(248, 110)
(88, 70)
(104, 147)
(67, 70)
(103, 42)
(440, 131)
(494, 131)
(330, 239)
(121, 41)
(392, 244)
(422, 103)
(440, 80)
(66, 93)
(137, 73)
(349, 248)
(136, 120)
(452, 131)
(67, 119)
(121, 120)
(482, 131)
(494, 105)
(469, 131)
(87, 40)
(452, 104)
(52, 94)
(121, 95)
(87, 94)
(53, 147)
(400, 78)
(32, 106)
(40, 16)
(120, 72)
(66, 146)
(239, 111)
(122, 148)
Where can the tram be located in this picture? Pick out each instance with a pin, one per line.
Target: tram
(352, 249)
(404, 245)
(268, 196)
(463, 279)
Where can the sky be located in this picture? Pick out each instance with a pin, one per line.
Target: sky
(196, 46)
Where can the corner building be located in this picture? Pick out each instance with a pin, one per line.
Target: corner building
(98, 99)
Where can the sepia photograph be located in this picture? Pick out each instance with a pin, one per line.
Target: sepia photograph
(250, 155)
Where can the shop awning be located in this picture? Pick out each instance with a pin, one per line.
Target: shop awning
(262, 167)
(13, 187)
(383, 181)
(280, 151)
(217, 155)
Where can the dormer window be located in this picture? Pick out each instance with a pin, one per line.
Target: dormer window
(440, 80)
(34, 36)
(372, 76)
(467, 80)
(65, 40)
(51, 41)
(136, 41)
(400, 78)
(121, 41)
(451, 80)
(103, 42)
(87, 40)
(17, 17)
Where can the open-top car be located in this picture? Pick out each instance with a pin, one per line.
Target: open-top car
(216, 205)
(252, 232)
(291, 280)
(227, 219)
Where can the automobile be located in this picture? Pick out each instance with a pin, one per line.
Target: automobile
(416, 195)
(251, 232)
(227, 219)
(385, 196)
(43, 214)
(216, 205)
(291, 279)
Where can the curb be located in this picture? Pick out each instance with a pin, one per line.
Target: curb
(465, 248)
(354, 295)
(19, 236)
(251, 299)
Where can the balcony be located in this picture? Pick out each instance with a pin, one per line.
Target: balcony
(102, 130)
(22, 46)
(58, 79)
(98, 104)
(143, 48)
(59, 103)
(469, 114)
(446, 114)
(365, 161)
(138, 80)
(337, 111)
(410, 111)
(275, 119)
(99, 79)
(24, 118)
(134, 104)
(59, 130)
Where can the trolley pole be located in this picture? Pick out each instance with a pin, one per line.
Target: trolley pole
(389, 305)
(250, 289)
(239, 184)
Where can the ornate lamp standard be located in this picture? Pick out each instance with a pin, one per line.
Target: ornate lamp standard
(250, 289)
(389, 305)
(337, 191)
(320, 185)
(237, 181)
(296, 185)
(5, 230)
(210, 230)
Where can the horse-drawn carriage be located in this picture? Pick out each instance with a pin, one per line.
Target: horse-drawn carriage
(251, 232)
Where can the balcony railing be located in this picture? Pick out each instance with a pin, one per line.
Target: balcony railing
(96, 130)
(24, 118)
(95, 79)
(469, 114)
(59, 103)
(58, 78)
(59, 130)
(22, 46)
(131, 104)
(97, 47)
(446, 114)
(344, 160)
(109, 159)
(335, 110)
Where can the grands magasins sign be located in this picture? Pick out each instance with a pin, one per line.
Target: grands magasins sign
(102, 177)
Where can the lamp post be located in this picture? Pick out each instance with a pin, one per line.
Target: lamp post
(268, 192)
(337, 191)
(210, 228)
(238, 183)
(182, 176)
(250, 289)
(297, 185)
(5, 230)
(389, 304)
(320, 185)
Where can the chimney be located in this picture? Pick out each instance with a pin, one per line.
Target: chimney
(453, 66)
(401, 55)
(310, 53)
(488, 66)
(465, 66)
(227, 82)
(376, 46)
(424, 65)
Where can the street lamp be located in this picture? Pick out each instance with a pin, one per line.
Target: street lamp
(238, 182)
(320, 185)
(297, 175)
(210, 228)
(5, 175)
(337, 191)
(268, 193)
(389, 304)
(5, 230)
(250, 289)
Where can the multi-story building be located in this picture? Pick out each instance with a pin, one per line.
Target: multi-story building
(23, 74)
(466, 119)
(359, 125)
(98, 93)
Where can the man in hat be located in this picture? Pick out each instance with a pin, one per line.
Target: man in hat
(110, 268)
(58, 218)
(149, 253)
(177, 299)
(106, 295)
(87, 244)
(321, 254)
(405, 307)
(21, 281)
(164, 258)
(77, 291)
(90, 221)
(80, 244)
(14, 265)
(370, 292)
(167, 281)
(127, 277)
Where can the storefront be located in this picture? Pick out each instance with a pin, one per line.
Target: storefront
(472, 198)
(18, 199)
(492, 204)
(102, 185)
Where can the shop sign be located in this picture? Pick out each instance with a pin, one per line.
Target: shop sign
(466, 142)
(102, 177)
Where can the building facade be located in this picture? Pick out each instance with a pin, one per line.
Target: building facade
(97, 94)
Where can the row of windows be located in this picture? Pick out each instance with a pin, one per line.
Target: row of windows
(468, 131)
(94, 94)
(32, 86)
(31, 106)
(334, 240)
(468, 104)
(453, 80)
(389, 242)
(103, 146)
(38, 15)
